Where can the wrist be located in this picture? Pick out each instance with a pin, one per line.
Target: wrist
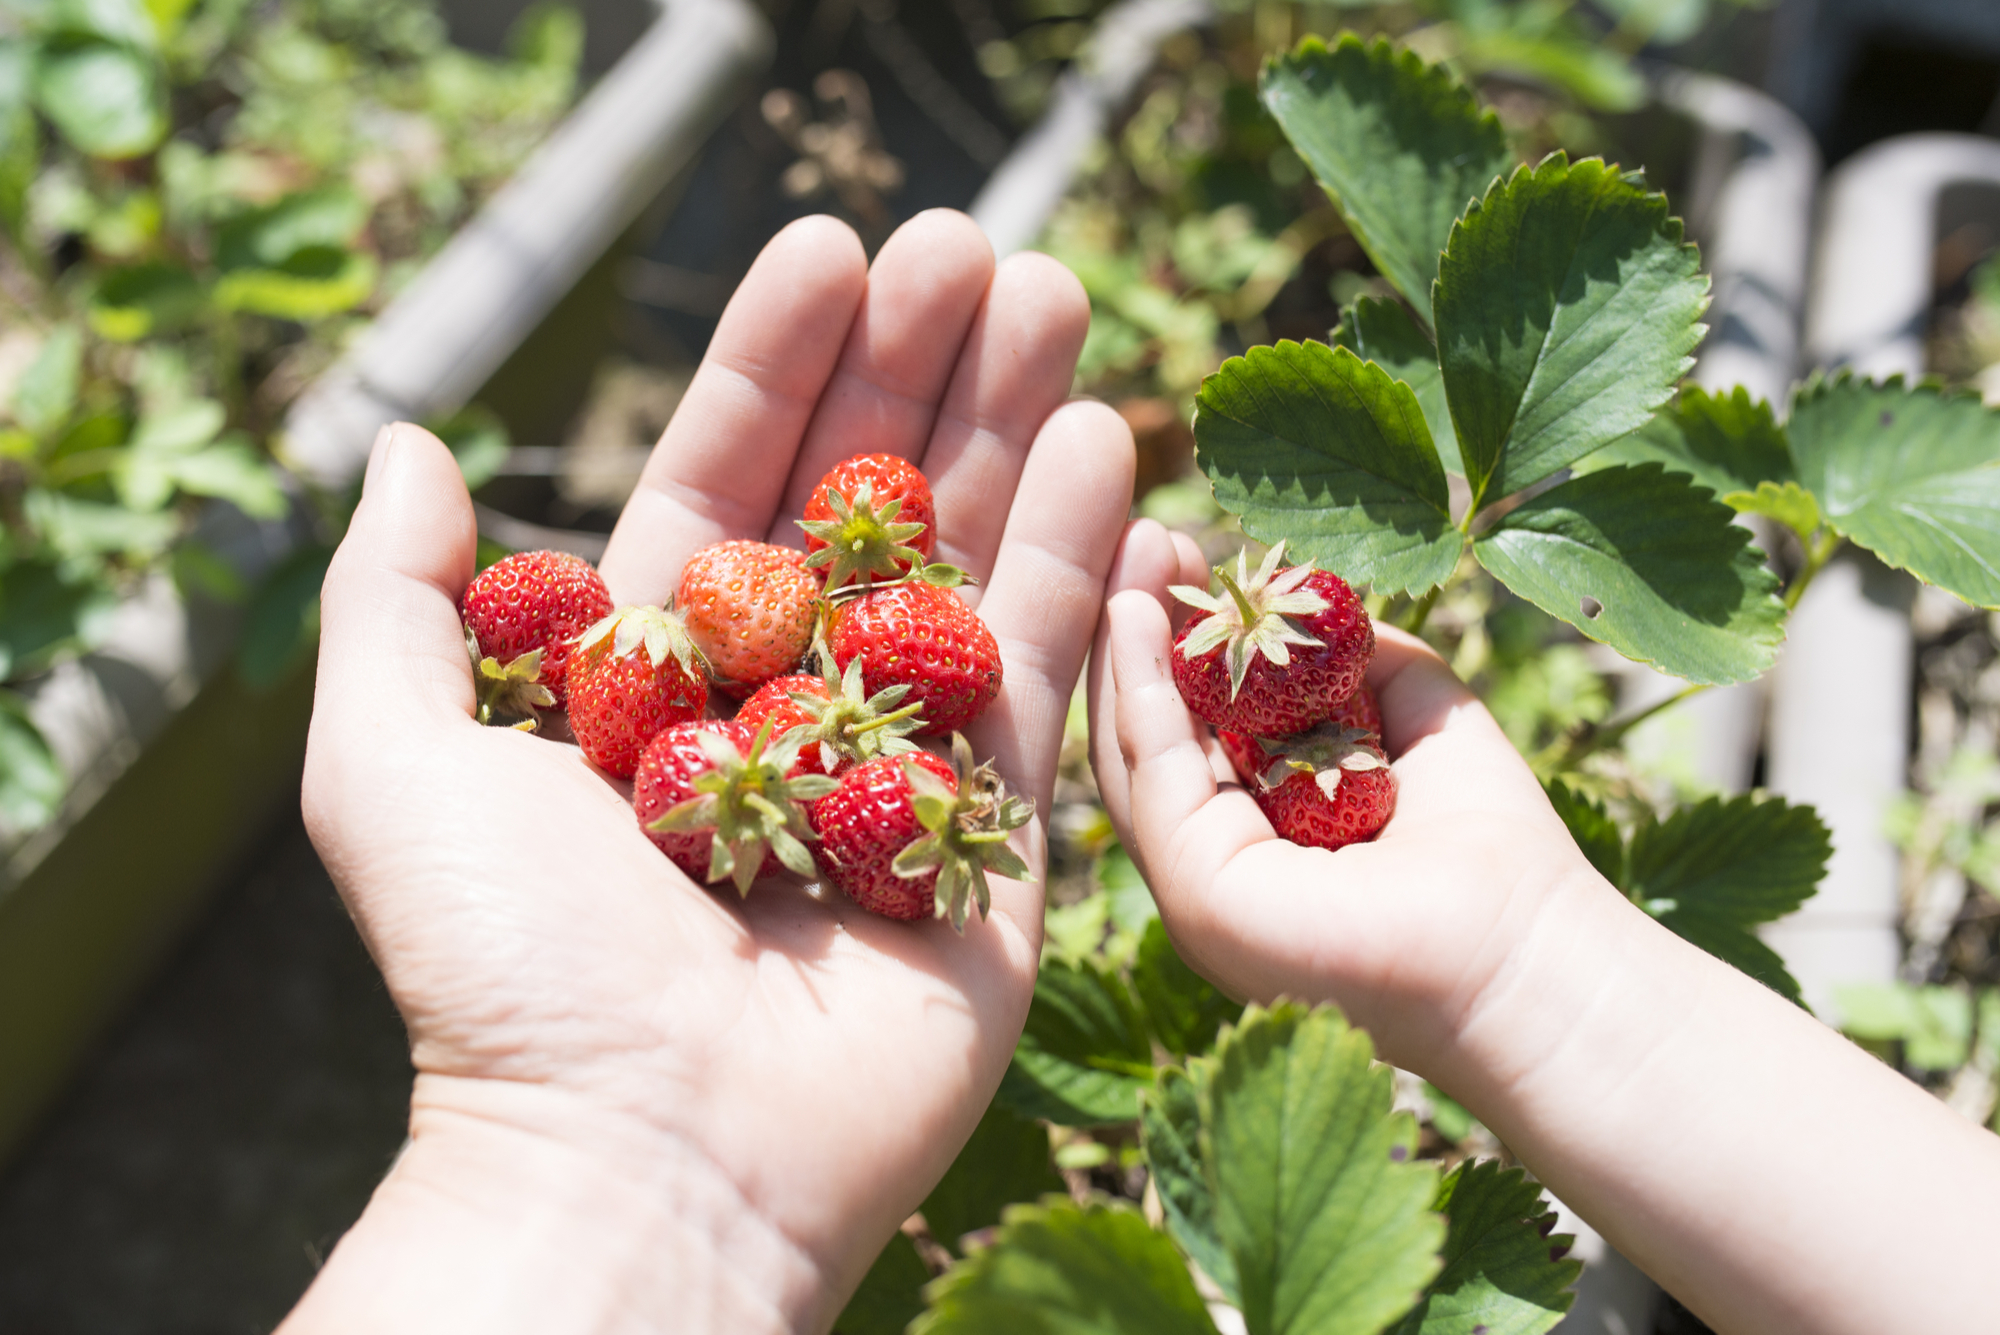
(511, 1209)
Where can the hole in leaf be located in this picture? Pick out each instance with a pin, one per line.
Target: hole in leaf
(1591, 607)
(1887, 417)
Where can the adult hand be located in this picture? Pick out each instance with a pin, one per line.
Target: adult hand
(640, 1102)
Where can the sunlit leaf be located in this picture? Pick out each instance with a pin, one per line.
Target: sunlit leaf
(1184, 1009)
(1320, 1201)
(45, 395)
(1504, 1273)
(1310, 445)
(1912, 475)
(143, 300)
(1725, 442)
(1649, 564)
(1063, 1269)
(311, 286)
(1382, 332)
(1170, 1131)
(106, 99)
(1594, 831)
(1401, 146)
(1567, 304)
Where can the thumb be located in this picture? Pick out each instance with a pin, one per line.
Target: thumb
(392, 650)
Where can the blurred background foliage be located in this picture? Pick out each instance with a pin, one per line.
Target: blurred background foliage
(202, 202)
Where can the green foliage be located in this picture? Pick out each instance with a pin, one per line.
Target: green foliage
(1399, 145)
(1062, 1269)
(1503, 1274)
(1912, 475)
(1384, 333)
(177, 281)
(1567, 305)
(1318, 1199)
(1006, 1160)
(1312, 444)
(1647, 563)
(891, 1293)
(31, 780)
(1728, 443)
(1711, 872)
(1084, 1055)
(1934, 1025)
(1170, 1129)
(1183, 1010)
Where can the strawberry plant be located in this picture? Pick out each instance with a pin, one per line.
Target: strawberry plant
(200, 203)
(1509, 418)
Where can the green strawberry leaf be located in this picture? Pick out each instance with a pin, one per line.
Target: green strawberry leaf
(1062, 1269)
(1787, 502)
(1006, 1161)
(20, 137)
(891, 1293)
(1502, 1275)
(31, 779)
(1084, 1055)
(1567, 305)
(310, 286)
(1131, 904)
(1646, 562)
(1383, 332)
(1400, 146)
(1594, 831)
(1184, 1009)
(1170, 1131)
(43, 614)
(144, 299)
(46, 394)
(1320, 1202)
(281, 624)
(1726, 442)
(270, 237)
(107, 99)
(1912, 475)
(1748, 859)
(1313, 446)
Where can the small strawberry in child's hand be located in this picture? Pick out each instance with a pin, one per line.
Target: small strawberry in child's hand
(870, 518)
(838, 724)
(1277, 652)
(919, 635)
(750, 608)
(1326, 788)
(723, 801)
(911, 837)
(634, 674)
(522, 604)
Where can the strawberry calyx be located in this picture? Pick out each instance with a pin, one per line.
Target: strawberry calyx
(966, 833)
(937, 574)
(752, 806)
(1326, 753)
(660, 630)
(862, 542)
(511, 690)
(850, 724)
(1253, 614)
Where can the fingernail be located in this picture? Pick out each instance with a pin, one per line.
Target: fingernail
(379, 451)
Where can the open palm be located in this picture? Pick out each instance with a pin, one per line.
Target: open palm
(556, 971)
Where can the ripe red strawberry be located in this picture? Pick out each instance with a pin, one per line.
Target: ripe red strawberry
(530, 601)
(1278, 651)
(1325, 789)
(911, 836)
(634, 675)
(921, 636)
(719, 798)
(750, 608)
(870, 518)
(841, 724)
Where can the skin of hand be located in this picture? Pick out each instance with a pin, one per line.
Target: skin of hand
(1767, 1172)
(641, 1104)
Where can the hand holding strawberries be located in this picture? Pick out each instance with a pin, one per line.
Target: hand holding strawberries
(731, 1102)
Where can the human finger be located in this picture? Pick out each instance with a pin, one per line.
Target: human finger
(924, 291)
(720, 468)
(1147, 560)
(1184, 829)
(1015, 369)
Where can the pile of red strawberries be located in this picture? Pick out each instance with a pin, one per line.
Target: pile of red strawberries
(840, 654)
(1275, 664)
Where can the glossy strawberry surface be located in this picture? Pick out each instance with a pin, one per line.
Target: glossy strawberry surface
(1301, 812)
(865, 823)
(889, 478)
(620, 702)
(1276, 700)
(749, 607)
(535, 600)
(665, 778)
(773, 702)
(926, 638)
